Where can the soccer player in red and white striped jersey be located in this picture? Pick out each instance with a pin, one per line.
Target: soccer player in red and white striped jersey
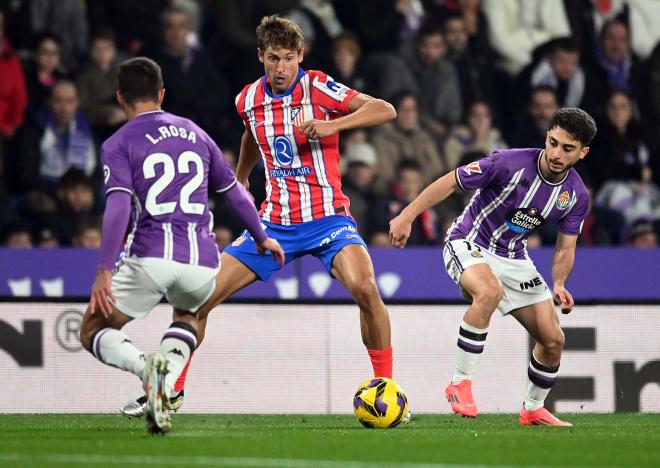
(292, 121)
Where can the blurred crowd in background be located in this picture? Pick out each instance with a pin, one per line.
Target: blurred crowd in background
(466, 77)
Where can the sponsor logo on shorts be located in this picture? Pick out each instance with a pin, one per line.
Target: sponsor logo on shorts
(239, 240)
(476, 254)
(534, 282)
(346, 230)
(563, 200)
(524, 220)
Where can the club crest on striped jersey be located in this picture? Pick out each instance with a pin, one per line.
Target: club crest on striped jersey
(563, 200)
(297, 116)
(472, 168)
(524, 220)
(283, 150)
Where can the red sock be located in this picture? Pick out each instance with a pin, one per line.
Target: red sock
(381, 360)
(181, 381)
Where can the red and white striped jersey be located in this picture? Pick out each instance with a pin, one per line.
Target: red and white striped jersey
(303, 181)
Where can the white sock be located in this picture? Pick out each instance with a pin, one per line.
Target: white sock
(178, 343)
(471, 341)
(541, 380)
(114, 348)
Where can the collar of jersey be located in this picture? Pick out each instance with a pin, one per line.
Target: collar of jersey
(267, 90)
(150, 112)
(538, 170)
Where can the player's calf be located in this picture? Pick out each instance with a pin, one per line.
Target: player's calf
(549, 348)
(177, 345)
(109, 345)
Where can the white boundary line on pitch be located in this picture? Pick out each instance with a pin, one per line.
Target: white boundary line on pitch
(75, 458)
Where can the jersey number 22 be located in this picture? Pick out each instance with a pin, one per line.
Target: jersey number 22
(183, 165)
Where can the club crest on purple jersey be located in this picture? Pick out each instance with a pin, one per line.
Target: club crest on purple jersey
(563, 200)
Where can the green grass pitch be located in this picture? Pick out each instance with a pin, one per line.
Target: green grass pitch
(301, 441)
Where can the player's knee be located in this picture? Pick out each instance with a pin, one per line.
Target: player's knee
(555, 343)
(489, 295)
(365, 292)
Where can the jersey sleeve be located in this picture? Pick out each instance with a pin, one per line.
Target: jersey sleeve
(479, 174)
(116, 167)
(239, 102)
(330, 94)
(571, 224)
(221, 175)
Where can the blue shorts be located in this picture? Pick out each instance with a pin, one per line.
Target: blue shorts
(323, 238)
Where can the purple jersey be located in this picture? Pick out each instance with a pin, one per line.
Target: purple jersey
(513, 199)
(167, 163)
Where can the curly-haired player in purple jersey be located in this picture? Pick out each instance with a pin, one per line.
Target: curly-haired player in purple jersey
(158, 169)
(485, 251)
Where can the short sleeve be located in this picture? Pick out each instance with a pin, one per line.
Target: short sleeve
(239, 103)
(221, 175)
(571, 224)
(116, 168)
(490, 170)
(331, 94)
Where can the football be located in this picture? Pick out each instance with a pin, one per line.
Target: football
(380, 403)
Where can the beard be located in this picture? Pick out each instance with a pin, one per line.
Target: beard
(564, 167)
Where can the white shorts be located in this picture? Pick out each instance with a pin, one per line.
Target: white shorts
(140, 283)
(523, 285)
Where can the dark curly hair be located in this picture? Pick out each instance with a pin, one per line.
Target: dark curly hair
(576, 122)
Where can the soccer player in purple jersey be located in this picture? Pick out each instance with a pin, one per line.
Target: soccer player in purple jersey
(158, 169)
(485, 251)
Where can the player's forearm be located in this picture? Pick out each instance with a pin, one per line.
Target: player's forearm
(432, 195)
(115, 220)
(247, 157)
(371, 113)
(243, 207)
(562, 265)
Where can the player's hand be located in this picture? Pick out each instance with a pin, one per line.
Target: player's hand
(102, 293)
(563, 299)
(275, 249)
(316, 129)
(400, 229)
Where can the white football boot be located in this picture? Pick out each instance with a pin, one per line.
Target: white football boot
(157, 409)
(135, 408)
